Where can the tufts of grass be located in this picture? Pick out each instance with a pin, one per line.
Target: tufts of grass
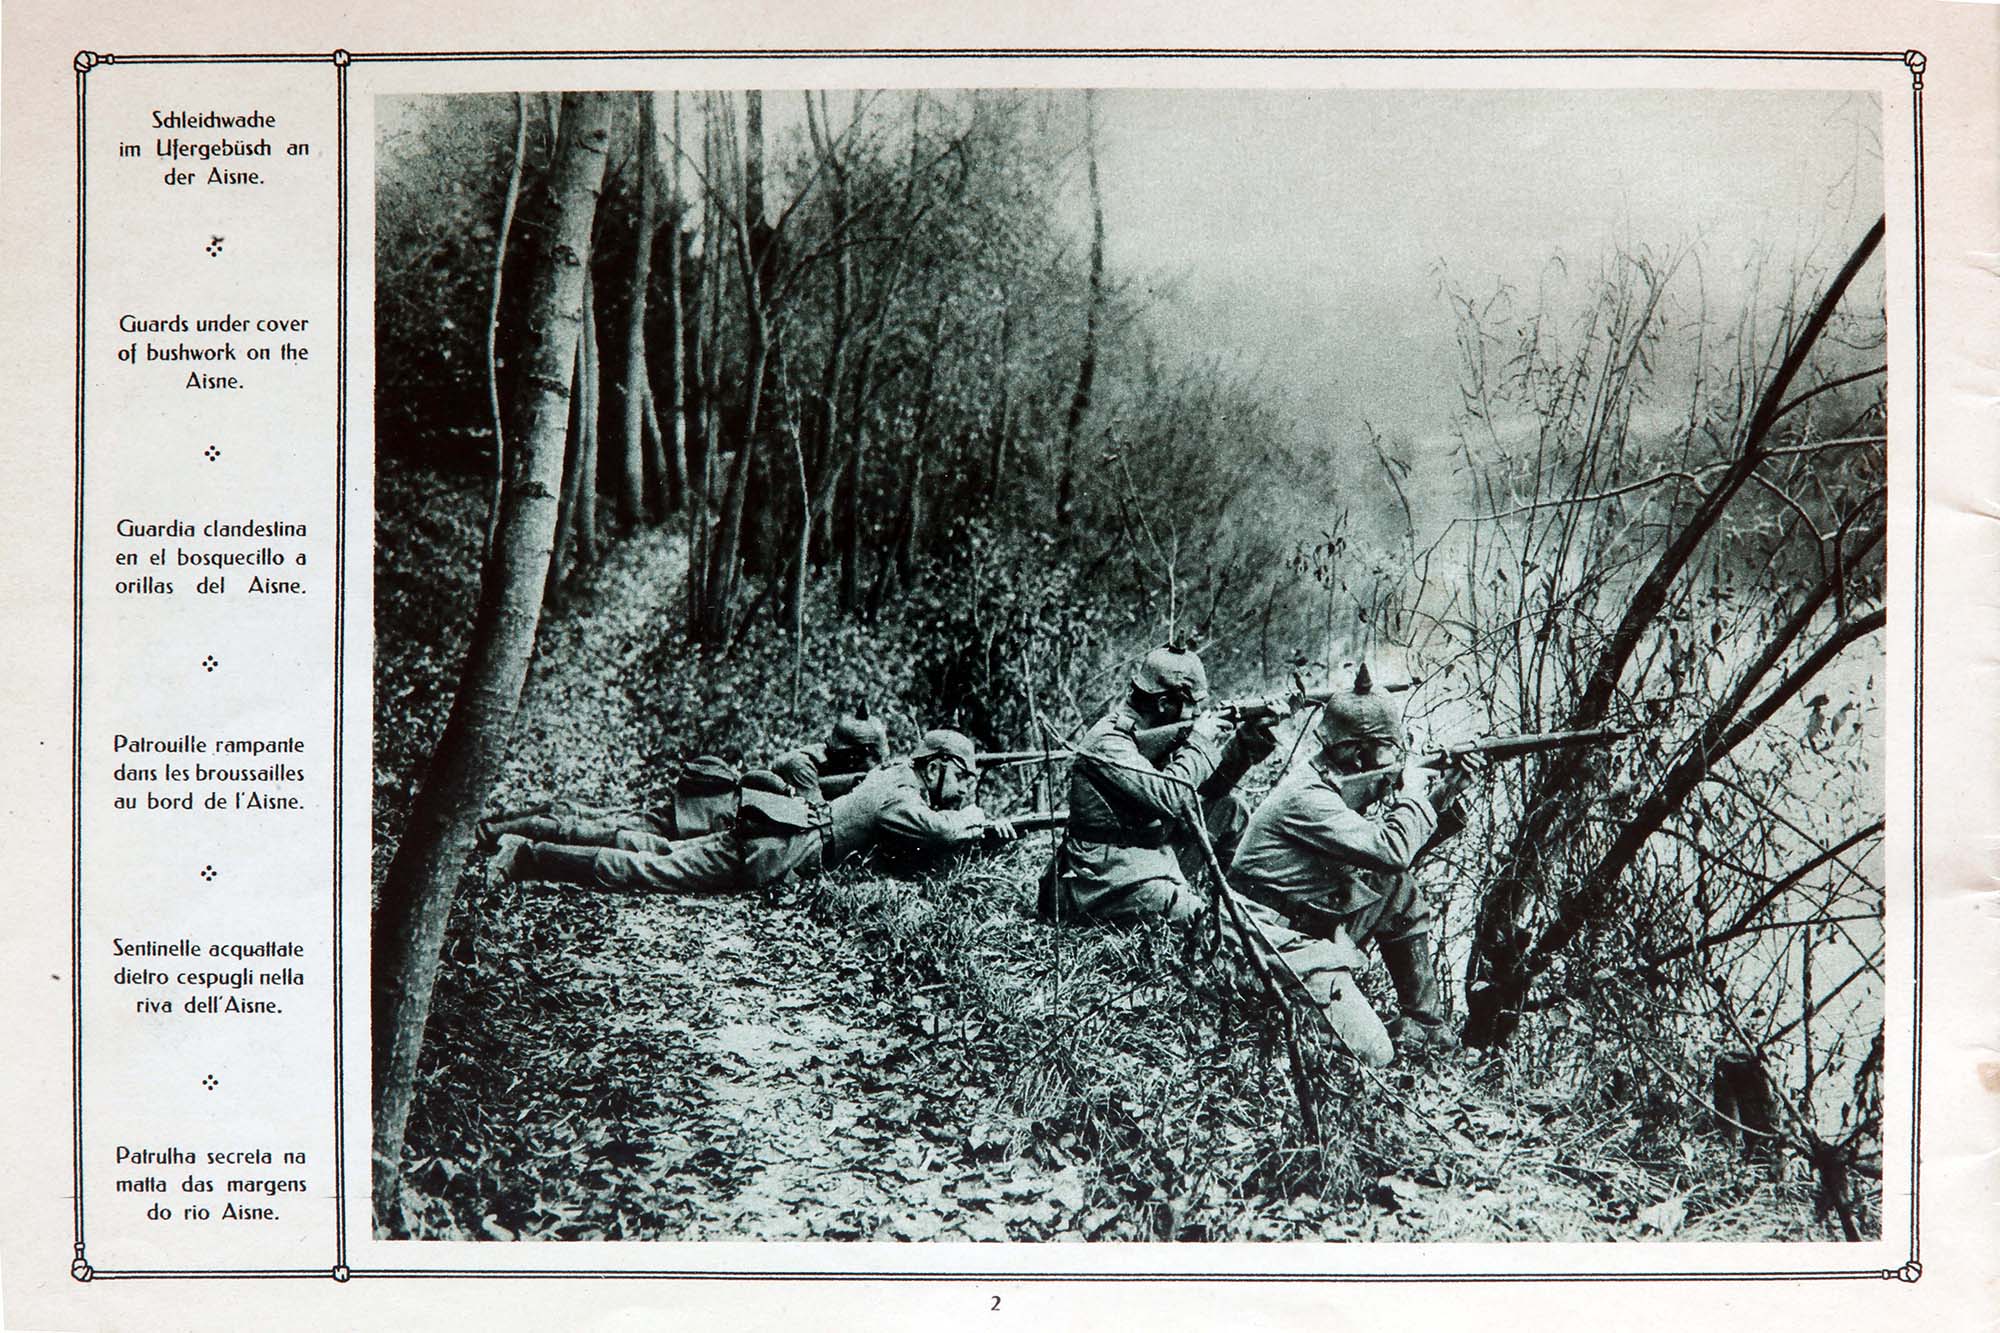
(1139, 1053)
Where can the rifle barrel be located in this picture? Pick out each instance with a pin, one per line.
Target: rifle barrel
(1036, 821)
(1157, 741)
(1001, 758)
(1533, 742)
(1499, 747)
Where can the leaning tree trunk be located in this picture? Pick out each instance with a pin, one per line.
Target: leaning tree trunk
(676, 445)
(1506, 958)
(699, 391)
(795, 581)
(726, 559)
(572, 463)
(417, 893)
(753, 241)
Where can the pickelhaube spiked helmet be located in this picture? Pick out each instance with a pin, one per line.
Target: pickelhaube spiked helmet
(858, 731)
(945, 744)
(1361, 714)
(1172, 670)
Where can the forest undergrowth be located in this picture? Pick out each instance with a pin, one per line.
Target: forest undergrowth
(858, 1057)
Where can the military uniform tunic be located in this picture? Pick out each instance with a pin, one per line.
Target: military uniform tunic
(1116, 863)
(1323, 879)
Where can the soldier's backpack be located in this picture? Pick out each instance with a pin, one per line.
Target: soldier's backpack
(767, 812)
(704, 797)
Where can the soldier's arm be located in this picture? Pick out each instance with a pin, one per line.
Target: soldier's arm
(909, 819)
(800, 771)
(1164, 789)
(1248, 746)
(1322, 821)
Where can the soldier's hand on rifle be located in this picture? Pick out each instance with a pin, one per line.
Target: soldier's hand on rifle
(1417, 780)
(1000, 830)
(1258, 737)
(1459, 773)
(1211, 727)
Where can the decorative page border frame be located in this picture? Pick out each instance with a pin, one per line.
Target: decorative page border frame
(85, 61)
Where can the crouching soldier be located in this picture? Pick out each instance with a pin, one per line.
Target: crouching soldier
(703, 801)
(1325, 862)
(911, 814)
(1118, 861)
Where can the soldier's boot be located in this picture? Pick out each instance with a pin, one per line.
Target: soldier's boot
(1347, 1011)
(520, 859)
(1421, 1025)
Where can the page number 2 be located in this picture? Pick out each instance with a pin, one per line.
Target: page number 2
(995, 1305)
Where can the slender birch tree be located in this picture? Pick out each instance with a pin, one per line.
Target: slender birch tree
(422, 881)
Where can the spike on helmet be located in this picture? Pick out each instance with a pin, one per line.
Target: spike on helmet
(1172, 670)
(944, 744)
(1364, 714)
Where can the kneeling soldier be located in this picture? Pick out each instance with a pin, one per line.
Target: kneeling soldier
(913, 813)
(1117, 862)
(1324, 879)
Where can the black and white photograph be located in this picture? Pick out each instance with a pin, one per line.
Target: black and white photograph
(1131, 664)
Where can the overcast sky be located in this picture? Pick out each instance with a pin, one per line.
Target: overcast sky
(1302, 236)
(1302, 233)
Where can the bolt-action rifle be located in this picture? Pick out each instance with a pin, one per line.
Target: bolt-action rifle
(1355, 787)
(1156, 742)
(1004, 758)
(1035, 821)
(839, 784)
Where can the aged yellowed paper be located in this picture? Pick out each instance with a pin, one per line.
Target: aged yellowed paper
(438, 888)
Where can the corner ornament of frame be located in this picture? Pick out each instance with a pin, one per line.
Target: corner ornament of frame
(81, 1270)
(1909, 1272)
(85, 60)
(1916, 61)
